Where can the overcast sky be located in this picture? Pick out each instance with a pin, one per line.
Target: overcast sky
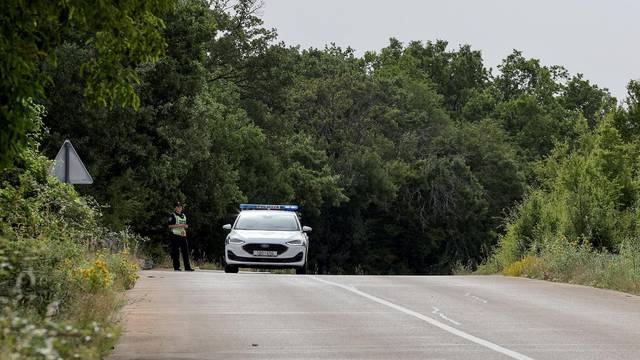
(600, 39)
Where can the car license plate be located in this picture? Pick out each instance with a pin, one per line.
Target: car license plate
(264, 253)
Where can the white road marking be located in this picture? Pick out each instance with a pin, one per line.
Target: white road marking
(495, 347)
(476, 298)
(436, 311)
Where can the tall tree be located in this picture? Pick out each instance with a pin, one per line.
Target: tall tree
(120, 33)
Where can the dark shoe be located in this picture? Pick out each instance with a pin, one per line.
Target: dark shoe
(177, 270)
(189, 269)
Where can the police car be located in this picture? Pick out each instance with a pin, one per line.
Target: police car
(266, 236)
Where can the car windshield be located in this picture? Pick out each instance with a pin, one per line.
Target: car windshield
(258, 220)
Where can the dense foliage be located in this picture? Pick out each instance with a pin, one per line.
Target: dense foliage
(60, 270)
(117, 33)
(404, 160)
(582, 223)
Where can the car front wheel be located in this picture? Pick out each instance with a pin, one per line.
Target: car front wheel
(231, 269)
(302, 270)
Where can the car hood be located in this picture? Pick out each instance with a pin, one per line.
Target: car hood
(265, 236)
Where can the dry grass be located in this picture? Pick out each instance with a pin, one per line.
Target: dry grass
(581, 265)
(528, 266)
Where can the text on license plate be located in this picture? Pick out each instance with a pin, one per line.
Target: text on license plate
(264, 253)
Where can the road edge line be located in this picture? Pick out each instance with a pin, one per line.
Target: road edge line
(495, 347)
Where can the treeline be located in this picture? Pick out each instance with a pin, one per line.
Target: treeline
(405, 160)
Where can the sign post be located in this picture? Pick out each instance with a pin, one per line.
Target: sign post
(66, 161)
(68, 167)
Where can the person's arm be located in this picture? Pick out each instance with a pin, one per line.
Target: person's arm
(172, 223)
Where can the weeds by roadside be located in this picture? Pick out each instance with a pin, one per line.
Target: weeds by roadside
(60, 309)
(62, 274)
(580, 264)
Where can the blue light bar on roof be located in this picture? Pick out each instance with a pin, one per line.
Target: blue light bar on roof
(268, 207)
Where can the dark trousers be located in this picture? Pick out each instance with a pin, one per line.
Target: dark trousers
(179, 244)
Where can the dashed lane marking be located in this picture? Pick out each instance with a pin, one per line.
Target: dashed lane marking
(476, 298)
(436, 311)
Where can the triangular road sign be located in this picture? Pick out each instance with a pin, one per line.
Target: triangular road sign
(68, 167)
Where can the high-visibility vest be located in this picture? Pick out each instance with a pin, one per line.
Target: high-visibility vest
(180, 219)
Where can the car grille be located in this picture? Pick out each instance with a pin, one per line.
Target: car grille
(235, 257)
(269, 247)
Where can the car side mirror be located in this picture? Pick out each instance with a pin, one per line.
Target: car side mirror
(306, 229)
(226, 226)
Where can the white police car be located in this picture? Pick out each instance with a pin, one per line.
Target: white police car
(266, 236)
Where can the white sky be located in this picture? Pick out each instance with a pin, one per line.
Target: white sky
(600, 39)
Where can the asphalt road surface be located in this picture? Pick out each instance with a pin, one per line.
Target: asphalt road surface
(212, 315)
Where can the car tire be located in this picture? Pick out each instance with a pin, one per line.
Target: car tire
(302, 270)
(231, 269)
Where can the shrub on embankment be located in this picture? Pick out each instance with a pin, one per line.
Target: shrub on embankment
(61, 272)
(581, 225)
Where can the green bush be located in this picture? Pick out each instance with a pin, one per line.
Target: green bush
(124, 269)
(582, 224)
(61, 272)
(30, 337)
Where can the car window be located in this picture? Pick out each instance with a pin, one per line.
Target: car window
(257, 220)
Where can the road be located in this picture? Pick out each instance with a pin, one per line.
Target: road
(212, 315)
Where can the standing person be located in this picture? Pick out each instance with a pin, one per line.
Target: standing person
(178, 227)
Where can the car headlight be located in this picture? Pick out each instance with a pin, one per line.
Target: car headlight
(235, 241)
(297, 242)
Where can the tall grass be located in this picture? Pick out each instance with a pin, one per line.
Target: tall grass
(580, 264)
